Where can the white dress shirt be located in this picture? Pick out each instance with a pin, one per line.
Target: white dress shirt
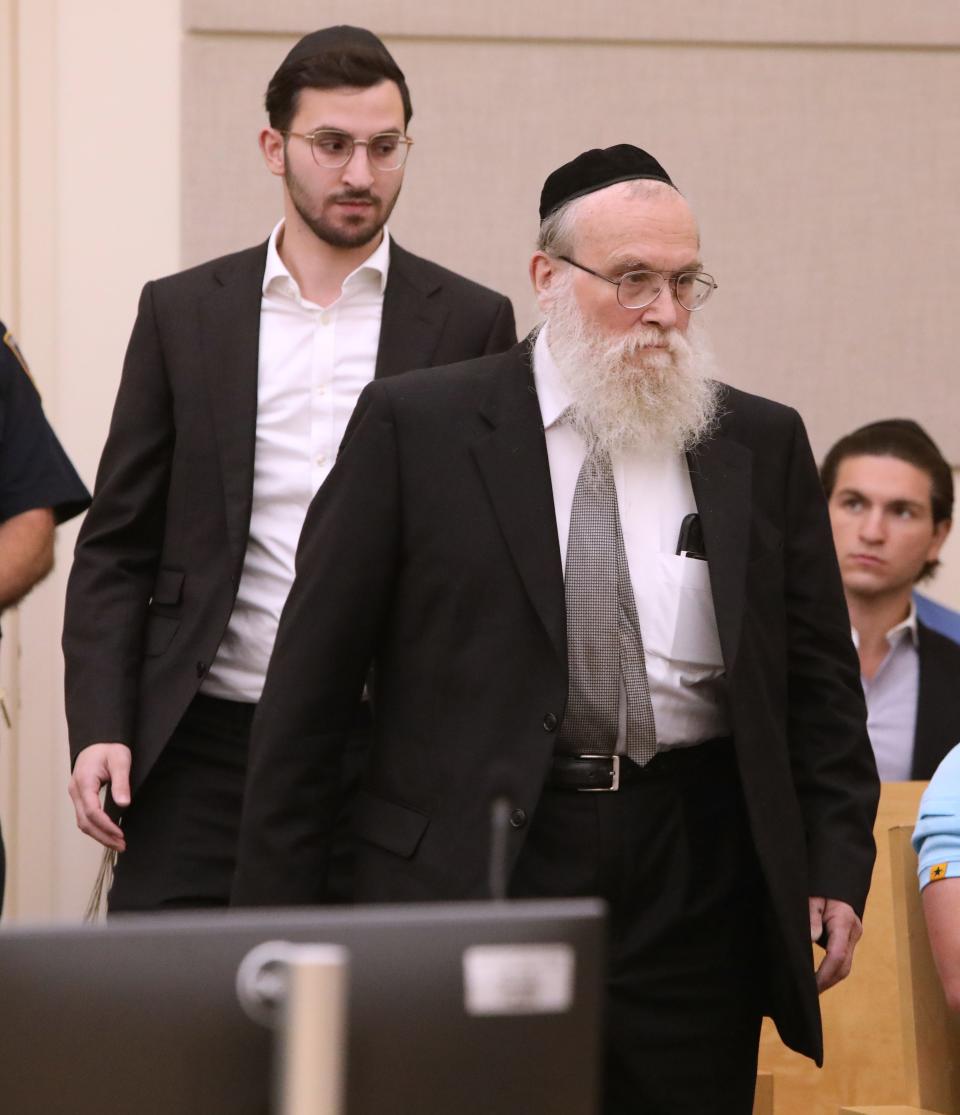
(892, 695)
(674, 605)
(313, 363)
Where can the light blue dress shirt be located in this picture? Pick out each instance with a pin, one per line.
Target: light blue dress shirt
(937, 835)
(891, 696)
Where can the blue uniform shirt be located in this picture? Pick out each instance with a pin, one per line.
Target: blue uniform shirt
(937, 835)
(34, 470)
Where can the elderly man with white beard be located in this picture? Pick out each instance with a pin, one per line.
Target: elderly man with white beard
(587, 565)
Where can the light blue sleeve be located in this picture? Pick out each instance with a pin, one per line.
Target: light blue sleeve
(937, 835)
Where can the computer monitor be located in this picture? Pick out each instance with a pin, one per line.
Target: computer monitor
(142, 1015)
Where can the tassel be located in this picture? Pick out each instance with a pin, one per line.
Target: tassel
(96, 903)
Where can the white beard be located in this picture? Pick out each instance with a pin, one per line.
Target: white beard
(627, 396)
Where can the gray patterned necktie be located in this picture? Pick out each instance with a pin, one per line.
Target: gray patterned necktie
(603, 631)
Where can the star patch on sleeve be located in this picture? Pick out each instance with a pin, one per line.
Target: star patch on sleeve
(938, 871)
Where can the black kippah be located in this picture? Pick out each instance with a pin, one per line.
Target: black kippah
(341, 37)
(596, 169)
(898, 425)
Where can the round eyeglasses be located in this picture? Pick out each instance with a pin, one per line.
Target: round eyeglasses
(637, 289)
(333, 149)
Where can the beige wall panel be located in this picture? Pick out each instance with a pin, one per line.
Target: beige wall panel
(8, 148)
(826, 182)
(933, 22)
(31, 824)
(229, 199)
(117, 121)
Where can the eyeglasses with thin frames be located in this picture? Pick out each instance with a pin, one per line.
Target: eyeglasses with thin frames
(333, 149)
(638, 289)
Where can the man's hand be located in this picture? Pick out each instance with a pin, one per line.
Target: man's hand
(843, 929)
(97, 765)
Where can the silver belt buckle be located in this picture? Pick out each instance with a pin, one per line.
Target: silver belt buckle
(614, 782)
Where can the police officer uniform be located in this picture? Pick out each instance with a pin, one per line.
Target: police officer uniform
(34, 470)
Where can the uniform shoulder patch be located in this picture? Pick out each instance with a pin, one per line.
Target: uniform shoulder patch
(938, 871)
(10, 341)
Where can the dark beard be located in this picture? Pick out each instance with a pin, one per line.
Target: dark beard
(335, 235)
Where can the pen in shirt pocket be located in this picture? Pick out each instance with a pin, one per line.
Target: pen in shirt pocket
(690, 541)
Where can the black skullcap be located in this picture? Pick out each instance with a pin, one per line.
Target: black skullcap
(341, 37)
(898, 425)
(596, 169)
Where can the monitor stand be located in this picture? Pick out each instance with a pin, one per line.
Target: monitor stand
(300, 992)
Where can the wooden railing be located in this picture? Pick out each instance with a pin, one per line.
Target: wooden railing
(891, 1045)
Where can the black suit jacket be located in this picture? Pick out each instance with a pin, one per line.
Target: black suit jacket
(448, 574)
(159, 557)
(938, 701)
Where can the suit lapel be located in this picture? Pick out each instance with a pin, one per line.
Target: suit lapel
(230, 336)
(412, 316)
(512, 459)
(513, 462)
(720, 473)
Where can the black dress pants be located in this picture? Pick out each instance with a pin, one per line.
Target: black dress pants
(182, 825)
(671, 853)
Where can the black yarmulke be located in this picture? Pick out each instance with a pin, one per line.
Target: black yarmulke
(596, 169)
(898, 425)
(341, 37)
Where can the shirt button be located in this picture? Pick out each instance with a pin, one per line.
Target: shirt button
(518, 819)
(324, 319)
(550, 722)
(322, 459)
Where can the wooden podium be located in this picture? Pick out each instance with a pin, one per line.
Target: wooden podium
(870, 1058)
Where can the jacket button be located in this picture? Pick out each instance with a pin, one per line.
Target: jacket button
(550, 722)
(201, 669)
(518, 819)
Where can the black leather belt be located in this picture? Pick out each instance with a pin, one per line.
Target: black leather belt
(585, 772)
(610, 772)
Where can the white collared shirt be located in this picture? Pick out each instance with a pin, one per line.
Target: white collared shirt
(313, 364)
(891, 696)
(672, 593)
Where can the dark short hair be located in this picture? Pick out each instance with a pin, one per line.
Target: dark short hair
(907, 441)
(358, 60)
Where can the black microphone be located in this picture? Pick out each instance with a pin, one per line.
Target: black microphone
(499, 836)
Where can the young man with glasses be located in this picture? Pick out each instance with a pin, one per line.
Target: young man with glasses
(598, 585)
(238, 383)
(890, 493)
